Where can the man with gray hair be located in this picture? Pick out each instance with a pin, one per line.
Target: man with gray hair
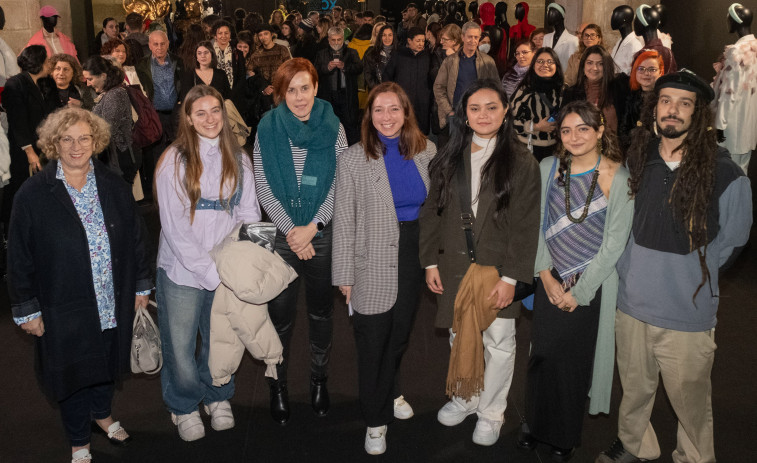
(338, 67)
(160, 73)
(458, 72)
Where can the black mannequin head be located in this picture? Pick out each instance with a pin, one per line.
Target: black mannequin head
(49, 23)
(461, 9)
(473, 8)
(428, 6)
(660, 9)
(2, 18)
(520, 11)
(651, 20)
(451, 8)
(555, 16)
(500, 10)
(744, 15)
(621, 15)
(439, 8)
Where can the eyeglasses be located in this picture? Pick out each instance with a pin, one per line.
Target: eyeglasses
(590, 36)
(444, 39)
(545, 62)
(643, 70)
(523, 53)
(84, 141)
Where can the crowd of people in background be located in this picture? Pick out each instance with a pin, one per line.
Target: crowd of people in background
(495, 159)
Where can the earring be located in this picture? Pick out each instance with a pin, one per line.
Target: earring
(599, 147)
(466, 123)
(654, 127)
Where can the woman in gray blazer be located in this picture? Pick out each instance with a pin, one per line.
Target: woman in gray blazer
(381, 184)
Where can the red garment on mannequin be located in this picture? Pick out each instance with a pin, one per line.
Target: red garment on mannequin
(522, 30)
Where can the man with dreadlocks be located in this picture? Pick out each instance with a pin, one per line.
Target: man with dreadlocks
(692, 215)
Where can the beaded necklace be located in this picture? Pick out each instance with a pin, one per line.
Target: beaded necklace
(594, 178)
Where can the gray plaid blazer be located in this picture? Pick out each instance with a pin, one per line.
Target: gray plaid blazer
(366, 231)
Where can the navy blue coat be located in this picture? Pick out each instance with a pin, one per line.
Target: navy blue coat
(49, 270)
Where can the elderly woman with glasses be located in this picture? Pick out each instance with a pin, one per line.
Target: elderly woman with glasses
(536, 102)
(77, 269)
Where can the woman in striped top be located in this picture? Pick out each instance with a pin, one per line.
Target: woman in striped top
(586, 219)
(295, 154)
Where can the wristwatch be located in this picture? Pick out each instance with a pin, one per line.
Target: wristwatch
(320, 226)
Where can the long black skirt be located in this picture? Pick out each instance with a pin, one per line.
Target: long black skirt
(560, 369)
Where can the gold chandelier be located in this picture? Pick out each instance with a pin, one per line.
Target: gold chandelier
(149, 9)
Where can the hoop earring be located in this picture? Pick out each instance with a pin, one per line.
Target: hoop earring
(466, 123)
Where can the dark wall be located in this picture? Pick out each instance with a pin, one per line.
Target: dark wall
(700, 32)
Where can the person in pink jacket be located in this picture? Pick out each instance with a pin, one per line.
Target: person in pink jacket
(54, 41)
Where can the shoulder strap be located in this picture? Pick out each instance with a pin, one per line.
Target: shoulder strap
(466, 212)
(546, 102)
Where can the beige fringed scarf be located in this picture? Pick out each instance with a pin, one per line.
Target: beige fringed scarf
(473, 314)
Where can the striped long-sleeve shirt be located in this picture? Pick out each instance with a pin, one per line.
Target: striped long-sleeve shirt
(273, 206)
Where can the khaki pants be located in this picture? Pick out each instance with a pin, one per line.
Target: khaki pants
(685, 361)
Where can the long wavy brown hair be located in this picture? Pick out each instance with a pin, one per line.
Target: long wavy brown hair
(187, 152)
(692, 191)
(412, 140)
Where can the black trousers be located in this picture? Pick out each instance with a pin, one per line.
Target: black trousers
(541, 152)
(319, 295)
(560, 368)
(92, 402)
(382, 339)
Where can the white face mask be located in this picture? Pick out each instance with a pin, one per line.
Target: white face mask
(485, 47)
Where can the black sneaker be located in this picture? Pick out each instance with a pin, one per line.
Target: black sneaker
(617, 454)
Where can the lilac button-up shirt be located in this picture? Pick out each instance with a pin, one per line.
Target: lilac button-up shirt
(184, 248)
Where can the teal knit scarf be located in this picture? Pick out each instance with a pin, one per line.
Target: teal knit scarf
(279, 126)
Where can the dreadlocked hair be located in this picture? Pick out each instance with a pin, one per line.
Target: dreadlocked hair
(695, 181)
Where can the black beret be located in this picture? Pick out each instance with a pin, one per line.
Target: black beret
(686, 80)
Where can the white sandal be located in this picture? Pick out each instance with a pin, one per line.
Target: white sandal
(81, 456)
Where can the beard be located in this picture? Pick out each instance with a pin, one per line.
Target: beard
(670, 132)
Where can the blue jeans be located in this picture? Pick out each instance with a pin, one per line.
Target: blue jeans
(185, 377)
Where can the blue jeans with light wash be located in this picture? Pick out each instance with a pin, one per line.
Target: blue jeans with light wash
(185, 377)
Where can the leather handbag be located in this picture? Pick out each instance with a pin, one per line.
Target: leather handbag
(146, 352)
(522, 289)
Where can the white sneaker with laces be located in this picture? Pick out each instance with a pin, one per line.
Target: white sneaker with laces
(81, 456)
(402, 409)
(190, 426)
(486, 432)
(375, 440)
(221, 417)
(455, 411)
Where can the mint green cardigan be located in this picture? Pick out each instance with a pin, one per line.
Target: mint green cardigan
(600, 272)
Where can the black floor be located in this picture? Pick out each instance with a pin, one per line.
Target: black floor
(30, 428)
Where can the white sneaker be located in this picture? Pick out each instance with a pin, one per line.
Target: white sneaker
(221, 417)
(375, 440)
(190, 426)
(486, 432)
(455, 411)
(402, 409)
(81, 456)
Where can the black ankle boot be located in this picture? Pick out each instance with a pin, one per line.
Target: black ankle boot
(319, 395)
(279, 403)
(525, 440)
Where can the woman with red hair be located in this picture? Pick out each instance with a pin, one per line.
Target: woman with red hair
(646, 69)
(295, 155)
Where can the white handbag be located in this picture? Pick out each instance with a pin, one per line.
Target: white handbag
(146, 353)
